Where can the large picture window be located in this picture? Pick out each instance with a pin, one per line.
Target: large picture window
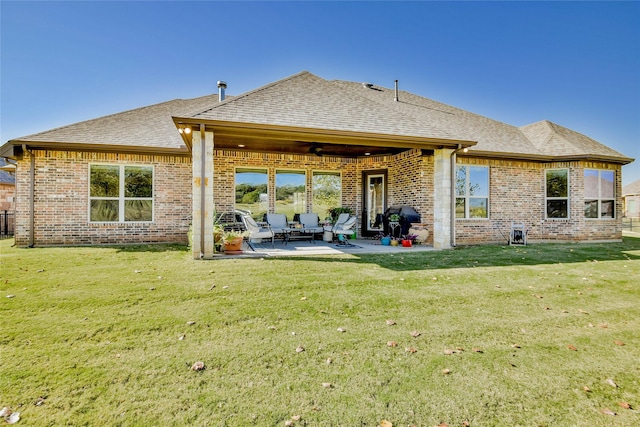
(326, 192)
(291, 194)
(472, 191)
(557, 193)
(120, 193)
(599, 193)
(251, 191)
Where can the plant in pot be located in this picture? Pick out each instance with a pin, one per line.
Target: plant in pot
(233, 241)
(408, 240)
(385, 239)
(334, 213)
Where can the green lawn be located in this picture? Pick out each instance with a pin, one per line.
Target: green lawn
(101, 336)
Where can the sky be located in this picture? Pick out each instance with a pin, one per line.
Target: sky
(576, 64)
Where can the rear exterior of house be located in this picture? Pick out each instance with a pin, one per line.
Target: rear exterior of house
(152, 174)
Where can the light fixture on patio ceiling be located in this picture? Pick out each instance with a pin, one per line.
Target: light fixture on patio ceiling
(315, 149)
(186, 130)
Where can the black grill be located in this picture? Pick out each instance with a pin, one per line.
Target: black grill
(407, 216)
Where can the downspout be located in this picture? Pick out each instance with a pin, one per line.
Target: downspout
(203, 164)
(453, 195)
(32, 190)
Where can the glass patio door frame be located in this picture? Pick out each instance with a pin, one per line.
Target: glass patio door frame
(368, 217)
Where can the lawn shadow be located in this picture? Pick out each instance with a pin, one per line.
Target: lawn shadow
(492, 256)
(152, 247)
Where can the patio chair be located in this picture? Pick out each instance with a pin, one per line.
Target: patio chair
(278, 224)
(342, 218)
(310, 224)
(344, 231)
(255, 231)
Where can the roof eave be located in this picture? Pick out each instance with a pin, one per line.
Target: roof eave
(329, 136)
(544, 158)
(13, 148)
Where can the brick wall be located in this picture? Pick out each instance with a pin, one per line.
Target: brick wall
(61, 200)
(517, 193)
(7, 194)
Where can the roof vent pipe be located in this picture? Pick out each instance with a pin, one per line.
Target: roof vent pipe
(396, 97)
(221, 87)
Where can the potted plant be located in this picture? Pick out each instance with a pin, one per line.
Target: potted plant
(233, 241)
(394, 241)
(385, 239)
(334, 213)
(408, 240)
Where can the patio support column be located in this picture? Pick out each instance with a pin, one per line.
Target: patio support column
(442, 202)
(202, 194)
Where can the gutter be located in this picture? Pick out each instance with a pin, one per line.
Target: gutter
(453, 194)
(32, 187)
(203, 164)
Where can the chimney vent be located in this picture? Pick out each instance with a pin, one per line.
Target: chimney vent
(396, 97)
(221, 88)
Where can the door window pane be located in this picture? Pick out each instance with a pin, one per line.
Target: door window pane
(375, 201)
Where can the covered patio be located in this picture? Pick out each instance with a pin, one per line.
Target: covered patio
(319, 247)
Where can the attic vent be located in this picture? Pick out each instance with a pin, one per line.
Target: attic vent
(367, 85)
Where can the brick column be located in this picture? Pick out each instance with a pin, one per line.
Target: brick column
(202, 248)
(442, 198)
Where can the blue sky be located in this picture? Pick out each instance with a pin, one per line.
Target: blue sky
(574, 63)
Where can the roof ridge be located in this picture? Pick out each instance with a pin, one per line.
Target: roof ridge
(253, 91)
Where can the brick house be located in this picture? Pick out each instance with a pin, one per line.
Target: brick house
(631, 200)
(148, 175)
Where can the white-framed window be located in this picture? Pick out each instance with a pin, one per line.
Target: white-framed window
(472, 191)
(599, 193)
(326, 192)
(291, 192)
(120, 193)
(557, 193)
(252, 191)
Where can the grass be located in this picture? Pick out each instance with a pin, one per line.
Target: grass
(91, 336)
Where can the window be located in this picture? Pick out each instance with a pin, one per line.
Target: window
(251, 191)
(119, 193)
(326, 192)
(557, 193)
(291, 194)
(472, 192)
(599, 193)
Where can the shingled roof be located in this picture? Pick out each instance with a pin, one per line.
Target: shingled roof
(146, 130)
(305, 100)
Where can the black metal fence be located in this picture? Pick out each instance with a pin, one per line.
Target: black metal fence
(7, 224)
(631, 224)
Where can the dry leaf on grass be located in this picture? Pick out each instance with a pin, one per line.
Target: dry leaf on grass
(198, 366)
(624, 405)
(446, 371)
(288, 423)
(385, 423)
(572, 347)
(299, 349)
(13, 418)
(296, 418)
(448, 352)
(392, 344)
(477, 350)
(587, 389)
(515, 346)
(342, 330)
(329, 361)
(608, 411)
(611, 382)
(415, 334)
(391, 322)
(618, 342)
(326, 385)
(410, 350)
(191, 322)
